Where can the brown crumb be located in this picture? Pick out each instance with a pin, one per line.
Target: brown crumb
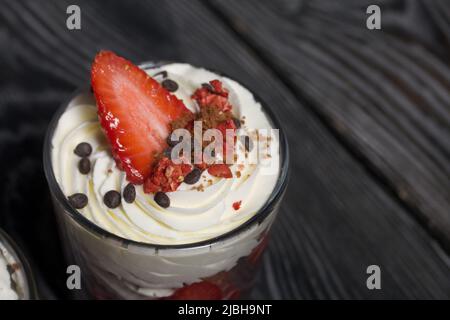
(182, 121)
(200, 188)
(211, 116)
(13, 267)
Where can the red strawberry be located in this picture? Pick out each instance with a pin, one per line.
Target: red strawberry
(233, 294)
(198, 291)
(257, 252)
(135, 112)
(224, 281)
(220, 170)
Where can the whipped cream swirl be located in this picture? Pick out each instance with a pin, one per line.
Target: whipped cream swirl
(197, 212)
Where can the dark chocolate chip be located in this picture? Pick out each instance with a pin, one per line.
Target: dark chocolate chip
(84, 165)
(112, 199)
(248, 143)
(237, 122)
(161, 73)
(171, 142)
(208, 86)
(129, 193)
(10, 269)
(83, 149)
(78, 200)
(168, 152)
(162, 199)
(193, 176)
(170, 85)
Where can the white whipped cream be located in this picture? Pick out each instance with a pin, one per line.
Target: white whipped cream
(193, 215)
(6, 291)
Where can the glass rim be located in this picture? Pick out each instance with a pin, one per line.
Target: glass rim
(257, 218)
(13, 248)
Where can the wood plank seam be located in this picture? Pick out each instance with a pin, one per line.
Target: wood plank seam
(334, 130)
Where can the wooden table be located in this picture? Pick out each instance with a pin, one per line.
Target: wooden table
(367, 114)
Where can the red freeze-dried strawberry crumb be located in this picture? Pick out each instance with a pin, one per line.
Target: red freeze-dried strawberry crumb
(215, 112)
(237, 205)
(228, 128)
(166, 176)
(217, 97)
(220, 170)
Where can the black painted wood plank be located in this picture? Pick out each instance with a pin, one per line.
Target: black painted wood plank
(335, 220)
(385, 93)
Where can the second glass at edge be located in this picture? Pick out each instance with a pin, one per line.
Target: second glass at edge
(116, 268)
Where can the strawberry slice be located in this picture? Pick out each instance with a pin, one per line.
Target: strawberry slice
(135, 112)
(220, 170)
(198, 291)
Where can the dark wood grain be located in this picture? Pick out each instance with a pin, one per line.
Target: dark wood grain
(336, 219)
(440, 13)
(384, 94)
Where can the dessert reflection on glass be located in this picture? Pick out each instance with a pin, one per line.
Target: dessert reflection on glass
(165, 180)
(16, 280)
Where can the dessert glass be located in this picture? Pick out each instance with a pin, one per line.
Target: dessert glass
(113, 267)
(19, 268)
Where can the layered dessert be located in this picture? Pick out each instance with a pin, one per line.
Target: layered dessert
(167, 159)
(15, 283)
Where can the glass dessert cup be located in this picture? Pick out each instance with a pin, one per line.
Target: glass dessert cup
(18, 267)
(113, 267)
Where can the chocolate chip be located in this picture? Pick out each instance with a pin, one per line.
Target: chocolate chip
(161, 73)
(208, 86)
(162, 199)
(237, 122)
(83, 149)
(84, 165)
(248, 143)
(129, 193)
(193, 176)
(78, 200)
(168, 152)
(171, 142)
(170, 85)
(10, 269)
(112, 199)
